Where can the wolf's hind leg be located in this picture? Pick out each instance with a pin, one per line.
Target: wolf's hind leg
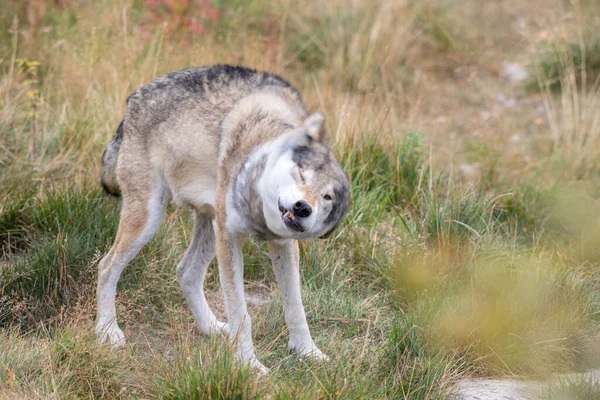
(191, 272)
(286, 260)
(141, 215)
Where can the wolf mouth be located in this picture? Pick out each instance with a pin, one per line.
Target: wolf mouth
(289, 220)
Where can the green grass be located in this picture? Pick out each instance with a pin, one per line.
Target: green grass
(429, 279)
(407, 289)
(583, 57)
(574, 389)
(401, 274)
(216, 376)
(53, 242)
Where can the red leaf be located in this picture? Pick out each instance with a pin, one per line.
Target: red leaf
(152, 4)
(212, 13)
(194, 26)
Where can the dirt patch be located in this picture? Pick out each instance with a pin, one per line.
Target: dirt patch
(256, 293)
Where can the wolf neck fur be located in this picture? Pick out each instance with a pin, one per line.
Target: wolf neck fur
(250, 130)
(247, 201)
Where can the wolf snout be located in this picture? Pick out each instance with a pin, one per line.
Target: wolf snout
(302, 209)
(299, 209)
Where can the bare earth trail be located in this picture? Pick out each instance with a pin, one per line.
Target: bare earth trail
(510, 389)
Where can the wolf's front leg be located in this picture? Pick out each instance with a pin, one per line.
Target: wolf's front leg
(231, 276)
(286, 261)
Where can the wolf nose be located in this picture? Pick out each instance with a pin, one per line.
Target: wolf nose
(302, 209)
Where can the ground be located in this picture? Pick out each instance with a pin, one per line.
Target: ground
(470, 136)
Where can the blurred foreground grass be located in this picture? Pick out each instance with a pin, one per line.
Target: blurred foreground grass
(434, 276)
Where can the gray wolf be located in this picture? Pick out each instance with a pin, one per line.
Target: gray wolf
(239, 149)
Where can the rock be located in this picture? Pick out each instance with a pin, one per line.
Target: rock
(512, 389)
(257, 300)
(514, 72)
(497, 389)
(485, 115)
(506, 101)
(470, 170)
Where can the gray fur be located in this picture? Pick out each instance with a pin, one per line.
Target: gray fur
(318, 157)
(202, 98)
(240, 149)
(210, 92)
(249, 205)
(109, 163)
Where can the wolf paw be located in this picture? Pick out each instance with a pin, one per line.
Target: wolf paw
(309, 351)
(111, 333)
(256, 365)
(215, 328)
(259, 367)
(250, 359)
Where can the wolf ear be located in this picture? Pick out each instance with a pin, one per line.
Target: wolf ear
(314, 126)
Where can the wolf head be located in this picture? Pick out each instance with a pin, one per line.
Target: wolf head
(304, 189)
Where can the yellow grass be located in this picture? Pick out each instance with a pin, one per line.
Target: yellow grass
(405, 311)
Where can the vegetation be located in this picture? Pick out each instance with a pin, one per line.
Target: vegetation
(573, 389)
(471, 246)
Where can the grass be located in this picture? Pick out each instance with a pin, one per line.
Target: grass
(584, 56)
(214, 377)
(433, 276)
(573, 389)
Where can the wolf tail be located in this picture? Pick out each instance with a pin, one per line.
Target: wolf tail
(109, 164)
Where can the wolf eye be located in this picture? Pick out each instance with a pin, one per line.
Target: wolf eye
(327, 197)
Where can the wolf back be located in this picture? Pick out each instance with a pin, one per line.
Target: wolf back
(211, 91)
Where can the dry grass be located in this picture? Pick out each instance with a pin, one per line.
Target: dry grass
(474, 200)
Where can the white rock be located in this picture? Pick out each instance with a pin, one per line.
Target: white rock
(494, 389)
(514, 72)
(470, 170)
(506, 101)
(512, 389)
(257, 300)
(485, 115)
